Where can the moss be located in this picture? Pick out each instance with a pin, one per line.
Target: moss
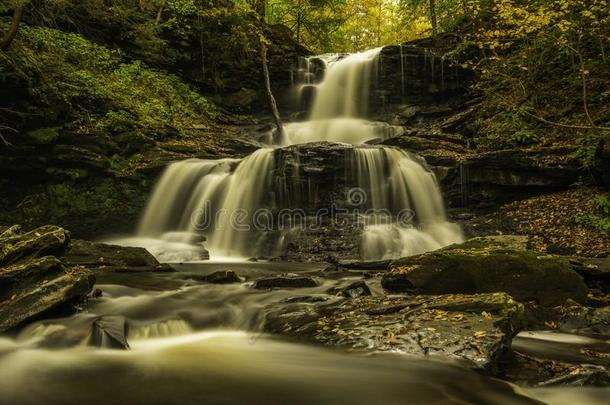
(88, 208)
(44, 136)
(466, 269)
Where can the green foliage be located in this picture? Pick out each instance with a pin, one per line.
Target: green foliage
(73, 81)
(524, 137)
(600, 219)
(588, 147)
(86, 207)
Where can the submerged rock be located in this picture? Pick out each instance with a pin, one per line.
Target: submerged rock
(355, 289)
(462, 269)
(104, 257)
(32, 280)
(475, 328)
(219, 277)
(285, 281)
(109, 332)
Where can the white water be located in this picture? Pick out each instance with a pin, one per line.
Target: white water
(215, 198)
(397, 184)
(229, 192)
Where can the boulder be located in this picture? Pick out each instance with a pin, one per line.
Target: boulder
(105, 257)
(462, 269)
(33, 279)
(284, 281)
(49, 292)
(46, 240)
(474, 328)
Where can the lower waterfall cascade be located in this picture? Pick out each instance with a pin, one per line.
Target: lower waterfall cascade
(402, 209)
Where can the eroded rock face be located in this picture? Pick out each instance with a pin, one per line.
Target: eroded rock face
(525, 275)
(33, 279)
(416, 72)
(475, 328)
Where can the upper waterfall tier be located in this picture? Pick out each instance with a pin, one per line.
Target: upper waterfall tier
(344, 92)
(340, 101)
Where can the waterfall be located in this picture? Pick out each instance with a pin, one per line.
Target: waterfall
(340, 102)
(401, 204)
(214, 198)
(406, 214)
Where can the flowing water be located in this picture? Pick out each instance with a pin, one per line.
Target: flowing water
(192, 343)
(219, 199)
(202, 343)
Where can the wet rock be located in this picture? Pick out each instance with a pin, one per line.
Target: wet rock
(353, 290)
(585, 375)
(475, 328)
(44, 295)
(596, 272)
(284, 281)
(415, 72)
(104, 257)
(462, 269)
(219, 277)
(514, 242)
(356, 265)
(523, 368)
(46, 240)
(33, 281)
(109, 332)
(305, 299)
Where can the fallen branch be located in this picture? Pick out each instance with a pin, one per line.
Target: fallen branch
(270, 98)
(557, 124)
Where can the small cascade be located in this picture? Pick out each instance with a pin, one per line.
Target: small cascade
(340, 102)
(214, 198)
(405, 212)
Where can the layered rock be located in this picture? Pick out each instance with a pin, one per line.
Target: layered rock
(418, 72)
(474, 328)
(33, 279)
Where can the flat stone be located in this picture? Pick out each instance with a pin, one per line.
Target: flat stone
(474, 328)
(105, 257)
(285, 281)
(43, 296)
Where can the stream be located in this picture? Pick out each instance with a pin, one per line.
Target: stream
(192, 343)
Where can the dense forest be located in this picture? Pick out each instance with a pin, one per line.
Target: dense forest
(233, 180)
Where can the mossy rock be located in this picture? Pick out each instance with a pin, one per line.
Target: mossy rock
(525, 275)
(44, 136)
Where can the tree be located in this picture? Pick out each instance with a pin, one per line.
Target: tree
(433, 21)
(12, 31)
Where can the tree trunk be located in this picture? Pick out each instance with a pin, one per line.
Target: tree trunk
(433, 20)
(12, 31)
(160, 13)
(299, 11)
(270, 98)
